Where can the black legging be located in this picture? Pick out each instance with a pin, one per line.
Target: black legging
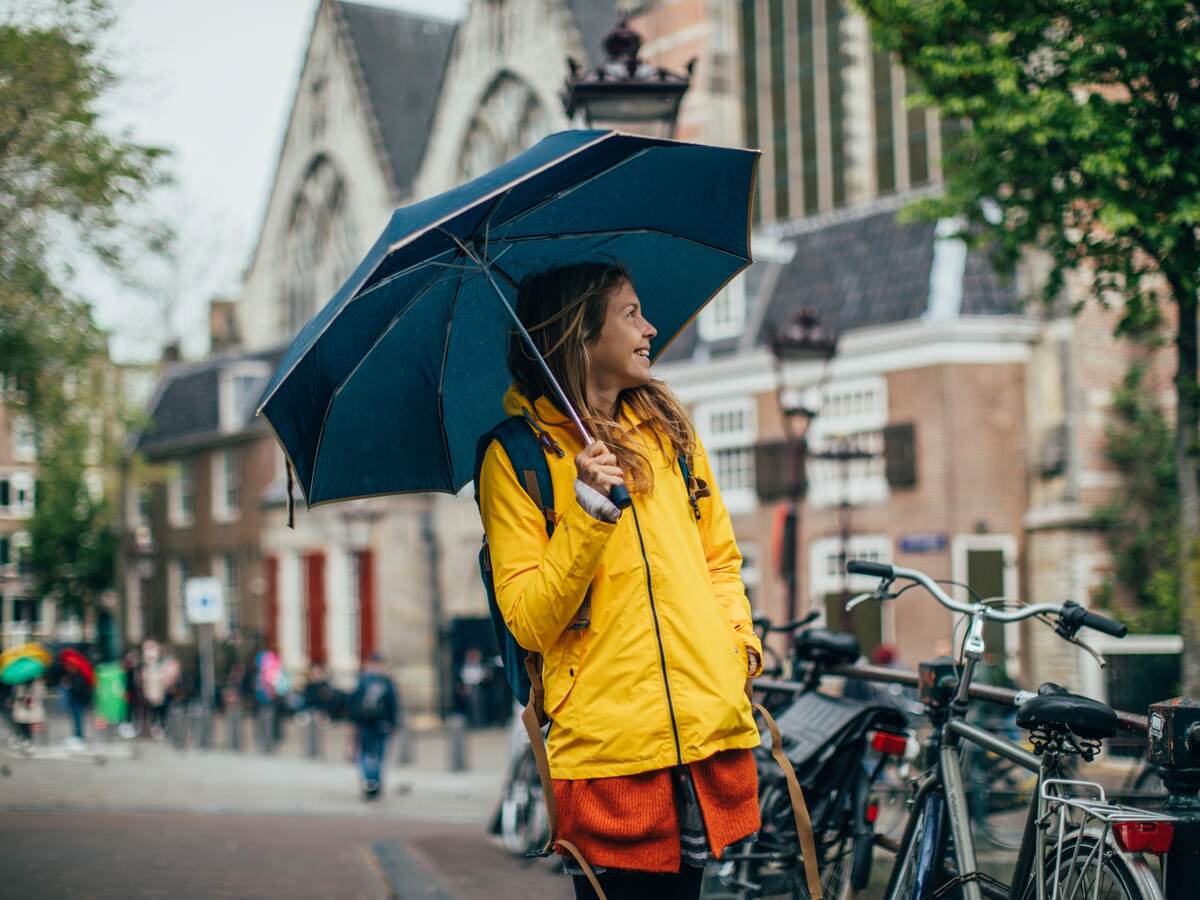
(682, 885)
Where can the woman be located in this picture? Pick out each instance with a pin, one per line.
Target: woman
(640, 615)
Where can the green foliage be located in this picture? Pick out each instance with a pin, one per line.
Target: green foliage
(1141, 522)
(1082, 119)
(68, 188)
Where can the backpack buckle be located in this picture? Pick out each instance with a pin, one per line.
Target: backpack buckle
(548, 443)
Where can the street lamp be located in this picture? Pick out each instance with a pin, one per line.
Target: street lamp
(625, 92)
(802, 339)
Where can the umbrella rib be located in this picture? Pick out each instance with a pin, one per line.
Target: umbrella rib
(353, 297)
(350, 375)
(442, 380)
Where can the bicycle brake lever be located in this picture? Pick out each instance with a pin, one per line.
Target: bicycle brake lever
(860, 598)
(1092, 651)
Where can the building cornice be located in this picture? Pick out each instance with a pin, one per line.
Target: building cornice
(918, 344)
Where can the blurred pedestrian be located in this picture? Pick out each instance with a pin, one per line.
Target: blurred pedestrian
(155, 688)
(28, 710)
(135, 712)
(318, 693)
(375, 710)
(77, 695)
(472, 677)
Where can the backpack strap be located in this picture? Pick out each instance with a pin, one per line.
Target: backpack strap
(804, 829)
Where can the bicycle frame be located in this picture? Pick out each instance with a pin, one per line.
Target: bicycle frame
(945, 783)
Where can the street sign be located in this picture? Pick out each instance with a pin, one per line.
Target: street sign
(205, 600)
(922, 543)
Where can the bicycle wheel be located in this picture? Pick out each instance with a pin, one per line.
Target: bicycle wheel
(523, 825)
(1092, 871)
(783, 878)
(998, 796)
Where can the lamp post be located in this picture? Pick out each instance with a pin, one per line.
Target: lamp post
(625, 92)
(801, 340)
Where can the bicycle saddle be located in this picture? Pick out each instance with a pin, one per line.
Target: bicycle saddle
(1056, 707)
(824, 646)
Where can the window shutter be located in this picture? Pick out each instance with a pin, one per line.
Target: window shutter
(773, 472)
(900, 455)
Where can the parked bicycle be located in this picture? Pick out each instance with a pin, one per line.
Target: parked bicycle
(828, 740)
(1075, 843)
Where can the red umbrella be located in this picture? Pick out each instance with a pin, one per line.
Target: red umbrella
(73, 659)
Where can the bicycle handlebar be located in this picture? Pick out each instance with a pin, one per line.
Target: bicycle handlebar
(1072, 614)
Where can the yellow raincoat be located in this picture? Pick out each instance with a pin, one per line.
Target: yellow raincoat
(658, 677)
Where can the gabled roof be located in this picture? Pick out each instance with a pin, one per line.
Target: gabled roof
(860, 269)
(185, 409)
(402, 58)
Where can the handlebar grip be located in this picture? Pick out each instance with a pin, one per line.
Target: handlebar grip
(619, 495)
(864, 567)
(1097, 622)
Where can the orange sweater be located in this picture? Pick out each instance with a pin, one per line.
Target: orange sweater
(630, 821)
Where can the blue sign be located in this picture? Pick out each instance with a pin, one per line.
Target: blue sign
(921, 543)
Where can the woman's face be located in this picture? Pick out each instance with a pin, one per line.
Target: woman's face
(620, 354)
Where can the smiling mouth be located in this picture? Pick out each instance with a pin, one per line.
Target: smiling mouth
(643, 352)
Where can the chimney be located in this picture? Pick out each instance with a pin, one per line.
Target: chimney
(222, 325)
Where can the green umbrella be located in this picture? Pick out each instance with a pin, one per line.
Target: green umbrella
(22, 670)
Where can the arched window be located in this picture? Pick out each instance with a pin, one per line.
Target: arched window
(510, 119)
(321, 248)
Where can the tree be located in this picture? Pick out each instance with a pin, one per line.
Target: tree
(73, 540)
(1140, 522)
(67, 188)
(1080, 127)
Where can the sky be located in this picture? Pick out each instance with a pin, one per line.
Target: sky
(212, 81)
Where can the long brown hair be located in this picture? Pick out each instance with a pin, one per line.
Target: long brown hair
(564, 309)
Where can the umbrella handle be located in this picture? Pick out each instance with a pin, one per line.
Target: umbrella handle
(619, 495)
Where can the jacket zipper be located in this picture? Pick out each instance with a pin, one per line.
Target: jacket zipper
(662, 656)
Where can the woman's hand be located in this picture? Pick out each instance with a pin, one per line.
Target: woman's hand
(596, 467)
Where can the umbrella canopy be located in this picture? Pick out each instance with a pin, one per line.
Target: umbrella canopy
(387, 389)
(22, 670)
(73, 659)
(35, 650)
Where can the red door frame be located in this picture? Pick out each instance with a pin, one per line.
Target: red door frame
(271, 613)
(314, 588)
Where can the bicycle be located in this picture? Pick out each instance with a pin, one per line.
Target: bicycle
(827, 739)
(1096, 849)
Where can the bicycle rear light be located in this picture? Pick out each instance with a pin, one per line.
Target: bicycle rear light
(1144, 837)
(889, 744)
(872, 813)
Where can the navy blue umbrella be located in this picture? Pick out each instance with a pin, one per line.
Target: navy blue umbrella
(387, 389)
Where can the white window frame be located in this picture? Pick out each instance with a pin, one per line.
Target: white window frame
(24, 445)
(855, 410)
(21, 494)
(872, 547)
(233, 596)
(822, 581)
(178, 571)
(739, 498)
(725, 315)
(222, 510)
(176, 514)
(232, 408)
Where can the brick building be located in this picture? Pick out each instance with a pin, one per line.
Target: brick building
(194, 506)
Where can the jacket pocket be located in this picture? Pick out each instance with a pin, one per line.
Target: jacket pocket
(561, 670)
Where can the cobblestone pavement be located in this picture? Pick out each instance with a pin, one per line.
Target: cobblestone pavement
(159, 777)
(142, 819)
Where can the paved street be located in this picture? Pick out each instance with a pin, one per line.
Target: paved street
(217, 824)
